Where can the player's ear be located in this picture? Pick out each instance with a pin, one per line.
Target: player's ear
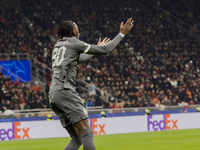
(74, 31)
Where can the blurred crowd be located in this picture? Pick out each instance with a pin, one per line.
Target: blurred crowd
(157, 64)
(183, 9)
(19, 96)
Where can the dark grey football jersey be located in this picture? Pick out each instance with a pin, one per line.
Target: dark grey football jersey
(66, 55)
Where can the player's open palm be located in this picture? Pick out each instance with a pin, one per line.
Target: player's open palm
(104, 42)
(125, 28)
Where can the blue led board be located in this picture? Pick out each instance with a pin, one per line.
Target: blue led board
(16, 69)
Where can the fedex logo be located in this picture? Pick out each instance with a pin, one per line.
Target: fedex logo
(97, 128)
(164, 124)
(15, 132)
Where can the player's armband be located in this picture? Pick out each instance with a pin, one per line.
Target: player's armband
(87, 49)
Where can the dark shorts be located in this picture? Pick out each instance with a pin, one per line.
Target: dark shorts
(68, 106)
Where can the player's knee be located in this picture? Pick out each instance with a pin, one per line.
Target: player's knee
(87, 132)
(74, 143)
(87, 139)
(77, 139)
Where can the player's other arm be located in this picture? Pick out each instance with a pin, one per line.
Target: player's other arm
(105, 49)
(83, 57)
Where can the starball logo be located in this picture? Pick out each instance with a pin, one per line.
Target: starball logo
(161, 124)
(15, 132)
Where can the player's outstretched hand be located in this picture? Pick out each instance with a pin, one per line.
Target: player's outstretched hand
(125, 29)
(104, 42)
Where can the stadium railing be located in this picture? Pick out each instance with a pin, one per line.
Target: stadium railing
(39, 72)
(98, 89)
(14, 56)
(92, 110)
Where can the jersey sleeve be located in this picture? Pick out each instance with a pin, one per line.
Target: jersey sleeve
(82, 47)
(86, 48)
(83, 57)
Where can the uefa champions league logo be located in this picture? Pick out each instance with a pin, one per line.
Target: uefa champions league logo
(16, 69)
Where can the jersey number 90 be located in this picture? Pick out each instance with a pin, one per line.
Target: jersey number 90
(58, 56)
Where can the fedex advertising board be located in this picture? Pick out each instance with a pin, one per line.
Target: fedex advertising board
(14, 130)
(161, 122)
(100, 126)
(117, 125)
(31, 130)
(173, 121)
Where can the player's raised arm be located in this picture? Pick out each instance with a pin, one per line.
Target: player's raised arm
(105, 49)
(125, 29)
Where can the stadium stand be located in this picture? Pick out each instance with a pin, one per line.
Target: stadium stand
(184, 10)
(19, 96)
(157, 65)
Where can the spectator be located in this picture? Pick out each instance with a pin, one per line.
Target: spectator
(36, 87)
(89, 102)
(127, 104)
(7, 112)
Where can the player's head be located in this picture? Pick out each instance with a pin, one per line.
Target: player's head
(68, 29)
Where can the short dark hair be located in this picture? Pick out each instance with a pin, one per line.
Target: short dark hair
(66, 29)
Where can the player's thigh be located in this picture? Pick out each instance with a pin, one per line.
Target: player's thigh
(82, 125)
(61, 115)
(73, 106)
(70, 104)
(55, 98)
(72, 130)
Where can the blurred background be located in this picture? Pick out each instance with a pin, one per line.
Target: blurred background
(155, 67)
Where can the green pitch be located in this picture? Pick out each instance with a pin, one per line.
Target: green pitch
(161, 140)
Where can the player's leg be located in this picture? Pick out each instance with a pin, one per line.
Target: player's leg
(71, 104)
(75, 141)
(86, 134)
